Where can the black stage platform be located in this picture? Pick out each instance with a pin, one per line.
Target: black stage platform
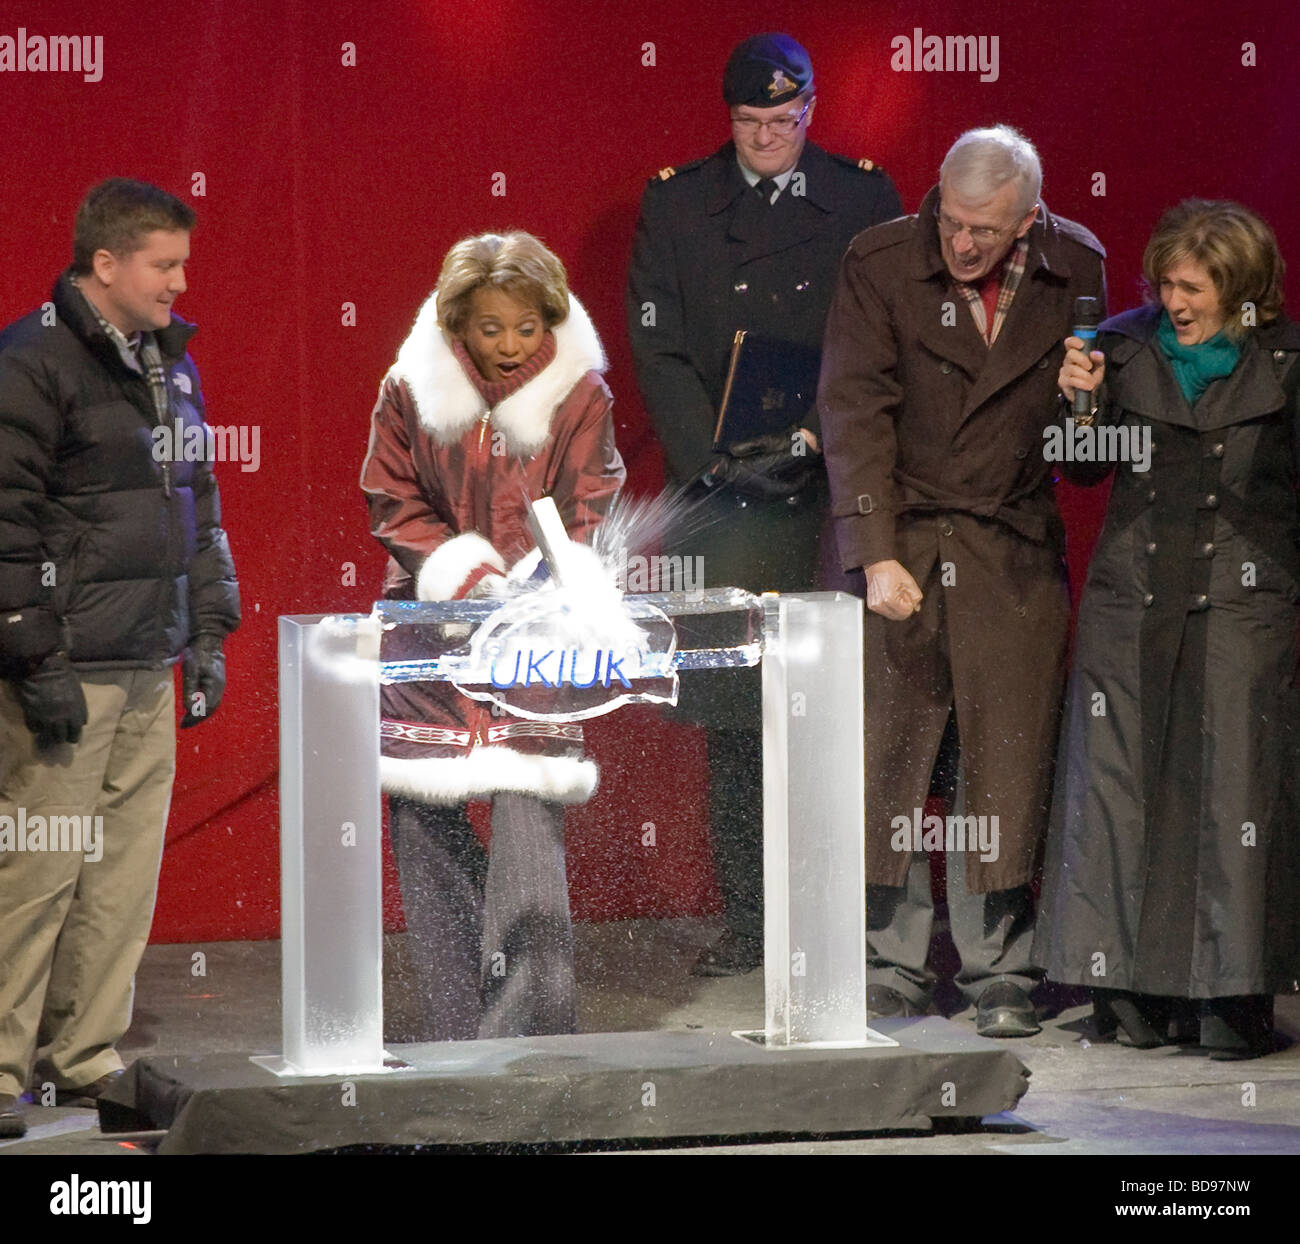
(605, 1086)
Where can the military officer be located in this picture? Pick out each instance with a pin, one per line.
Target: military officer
(749, 238)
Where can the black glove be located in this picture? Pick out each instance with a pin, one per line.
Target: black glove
(54, 706)
(766, 468)
(203, 674)
(776, 444)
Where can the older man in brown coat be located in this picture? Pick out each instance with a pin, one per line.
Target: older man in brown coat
(938, 380)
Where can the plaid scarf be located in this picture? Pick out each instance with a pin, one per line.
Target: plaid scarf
(1012, 270)
(141, 354)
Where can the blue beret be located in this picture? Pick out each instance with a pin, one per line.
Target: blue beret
(765, 71)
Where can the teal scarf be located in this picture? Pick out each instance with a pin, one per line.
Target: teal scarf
(1195, 367)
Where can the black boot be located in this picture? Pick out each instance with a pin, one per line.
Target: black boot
(1184, 1021)
(1237, 1027)
(1143, 1018)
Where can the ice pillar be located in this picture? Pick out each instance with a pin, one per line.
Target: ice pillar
(813, 811)
(330, 846)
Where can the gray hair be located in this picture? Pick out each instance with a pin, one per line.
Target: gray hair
(982, 161)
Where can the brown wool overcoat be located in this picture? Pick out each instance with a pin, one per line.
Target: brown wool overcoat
(935, 452)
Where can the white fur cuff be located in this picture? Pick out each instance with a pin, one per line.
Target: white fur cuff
(451, 563)
(522, 570)
(486, 770)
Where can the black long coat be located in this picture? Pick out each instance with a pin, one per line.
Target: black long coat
(704, 265)
(934, 446)
(1172, 865)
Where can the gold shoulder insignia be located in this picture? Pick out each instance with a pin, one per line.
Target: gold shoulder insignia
(666, 173)
(867, 165)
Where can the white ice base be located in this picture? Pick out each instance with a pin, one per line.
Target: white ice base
(278, 1065)
(870, 1038)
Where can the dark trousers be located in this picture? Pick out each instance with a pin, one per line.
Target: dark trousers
(491, 934)
(993, 932)
(736, 818)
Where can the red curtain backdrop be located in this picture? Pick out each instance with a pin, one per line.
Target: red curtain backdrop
(328, 191)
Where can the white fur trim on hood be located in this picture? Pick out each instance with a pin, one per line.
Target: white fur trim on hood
(484, 771)
(448, 404)
(452, 562)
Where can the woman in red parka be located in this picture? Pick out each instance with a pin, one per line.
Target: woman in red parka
(496, 394)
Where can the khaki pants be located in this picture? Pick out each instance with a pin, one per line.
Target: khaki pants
(75, 913)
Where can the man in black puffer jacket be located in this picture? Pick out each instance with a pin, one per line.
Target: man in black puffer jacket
(113, 567)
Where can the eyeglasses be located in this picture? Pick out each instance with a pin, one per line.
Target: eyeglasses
(981, 235)
(784, 126)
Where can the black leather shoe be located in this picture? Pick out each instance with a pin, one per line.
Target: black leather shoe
(1004, 1010)
(12, 1123)
(731, 955)
(88, 1095)
(886, 1003)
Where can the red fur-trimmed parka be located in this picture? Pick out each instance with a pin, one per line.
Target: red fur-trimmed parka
(444, 479)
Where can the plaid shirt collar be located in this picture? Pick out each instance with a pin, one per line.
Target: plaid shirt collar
(141, 354)
(1012, 270)
(126, 346)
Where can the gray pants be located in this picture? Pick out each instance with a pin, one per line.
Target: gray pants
(993, 932)
(491, 932)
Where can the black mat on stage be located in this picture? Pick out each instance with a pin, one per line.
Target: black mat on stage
(603, 1086)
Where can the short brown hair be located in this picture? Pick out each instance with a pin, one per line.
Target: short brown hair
(1234, 245)
(515, 262)
(116, 215)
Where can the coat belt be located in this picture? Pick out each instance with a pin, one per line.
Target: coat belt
(919, 497)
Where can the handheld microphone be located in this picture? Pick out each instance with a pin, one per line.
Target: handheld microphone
(1087, 315)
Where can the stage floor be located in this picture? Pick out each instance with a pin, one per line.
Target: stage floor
(1083, 1097)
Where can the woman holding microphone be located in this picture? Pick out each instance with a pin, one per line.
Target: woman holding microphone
(1172, 881)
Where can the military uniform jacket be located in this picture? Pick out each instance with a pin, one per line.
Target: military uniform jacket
(703, 266)
(935, 452)
(711, 258)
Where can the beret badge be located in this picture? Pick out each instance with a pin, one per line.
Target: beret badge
(781, 85)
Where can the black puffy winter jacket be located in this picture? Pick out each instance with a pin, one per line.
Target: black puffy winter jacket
(106, 553)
